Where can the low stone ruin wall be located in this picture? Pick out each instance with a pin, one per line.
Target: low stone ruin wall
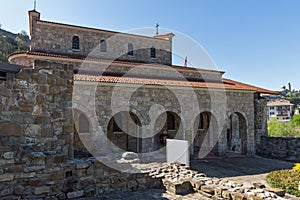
(281, 148)
(27, 175)
(178, 179)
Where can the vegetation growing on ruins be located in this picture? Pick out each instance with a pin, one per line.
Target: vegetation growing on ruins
(287, 180)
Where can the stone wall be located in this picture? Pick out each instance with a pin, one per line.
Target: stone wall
(57, 38)
(39, 100)
(36, 141)
(281, 148)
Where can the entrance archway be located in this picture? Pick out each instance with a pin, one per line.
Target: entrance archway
(123, 131)
(206, 135)
(82, 137)
(237, 134)
(166, 127)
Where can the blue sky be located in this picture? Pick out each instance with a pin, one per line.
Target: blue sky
(253, 41)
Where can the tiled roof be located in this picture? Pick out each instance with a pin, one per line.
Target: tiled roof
(279, 102)
(79, 57)
(258, 89)
(227, 84)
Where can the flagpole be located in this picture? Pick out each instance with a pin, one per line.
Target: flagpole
(185, 62)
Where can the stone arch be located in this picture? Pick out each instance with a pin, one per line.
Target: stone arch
(126, 135)
(139, 115)
(167, 126)
(237, 133)
(206, 135)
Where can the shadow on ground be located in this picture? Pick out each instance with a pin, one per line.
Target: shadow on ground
(231, 167)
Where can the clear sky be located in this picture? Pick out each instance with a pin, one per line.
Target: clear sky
(253, 41)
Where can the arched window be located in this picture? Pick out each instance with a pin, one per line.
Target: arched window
(103, 46)
(152, 52)
(204, 120)
(130, 49)
(84, 125)
(170, 121)
(75, 42)
(201, 122)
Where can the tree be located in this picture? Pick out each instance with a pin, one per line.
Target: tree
(24, 33)
(296, 120)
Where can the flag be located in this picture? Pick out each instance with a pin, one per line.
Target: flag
(185, 62)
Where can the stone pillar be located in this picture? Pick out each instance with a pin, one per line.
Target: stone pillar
(222, 143)
(189, 136)
(260, 122)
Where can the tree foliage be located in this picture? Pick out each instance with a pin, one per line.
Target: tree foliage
(296, 120)
(10, 43)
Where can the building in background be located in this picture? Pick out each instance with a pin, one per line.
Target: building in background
(280, 109)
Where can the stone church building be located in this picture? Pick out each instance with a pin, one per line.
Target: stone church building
(126, 95)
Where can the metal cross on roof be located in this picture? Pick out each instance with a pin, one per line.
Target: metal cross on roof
(34, 4)
(157, 25)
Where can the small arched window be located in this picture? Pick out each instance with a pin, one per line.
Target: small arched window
(130, 49)
(170, 121)
(204, 120)
(84, 125)
(152, 52)
(103, 46)
(201, 122)
(75, 42)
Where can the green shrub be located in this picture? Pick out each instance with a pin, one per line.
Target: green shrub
(287, 180)
(280, 129)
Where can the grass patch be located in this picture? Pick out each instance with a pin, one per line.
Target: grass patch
(287, 180)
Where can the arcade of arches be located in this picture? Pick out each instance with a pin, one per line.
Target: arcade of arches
(124, 132)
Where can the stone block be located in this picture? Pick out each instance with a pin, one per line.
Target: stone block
(10, 129)
(32, 130)
(8, 155)
(58, 176)
(130, 155)
(278, 191)
(205, 194)
(14, 169)
(75, 194)
(208, 189)
(33, 182)
(6, 191)
(226, 194)
(21, 191)
(41, 190)
(33, 169)
(259, 185)
(197, 185)
(216, 197)
(238, 196)
(182, 188)
(61, 158)
(6, 177)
